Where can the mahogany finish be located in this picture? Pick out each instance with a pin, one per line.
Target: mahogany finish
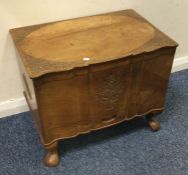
(90, 73)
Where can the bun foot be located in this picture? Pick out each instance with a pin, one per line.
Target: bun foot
(153, 123)
(52, 157)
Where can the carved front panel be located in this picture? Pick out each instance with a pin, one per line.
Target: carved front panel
(108, 91)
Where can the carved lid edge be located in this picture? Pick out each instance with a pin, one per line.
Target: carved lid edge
(49, 67)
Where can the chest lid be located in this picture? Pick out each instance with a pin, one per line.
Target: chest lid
(65, 45)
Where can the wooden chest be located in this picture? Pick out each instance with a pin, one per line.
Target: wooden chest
(93, 72)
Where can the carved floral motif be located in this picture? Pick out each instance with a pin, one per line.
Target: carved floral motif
(110, 91)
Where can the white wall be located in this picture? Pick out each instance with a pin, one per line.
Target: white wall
(168, 15)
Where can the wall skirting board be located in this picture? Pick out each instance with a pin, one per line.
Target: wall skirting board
(19, 105)
(180, 64)
(14, 106)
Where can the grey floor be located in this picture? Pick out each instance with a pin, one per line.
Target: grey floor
(126, 149)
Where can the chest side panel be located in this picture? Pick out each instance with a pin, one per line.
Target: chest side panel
(156, 69)
(30, 97)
